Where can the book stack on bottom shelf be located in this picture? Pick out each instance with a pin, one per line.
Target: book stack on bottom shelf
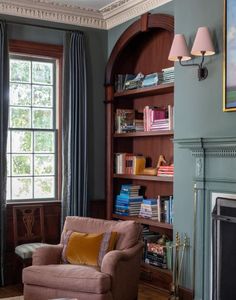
(128, 202)
(157, 260)
(157, 250)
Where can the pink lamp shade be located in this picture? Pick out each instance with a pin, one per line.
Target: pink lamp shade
(203, 43)
(179, 49)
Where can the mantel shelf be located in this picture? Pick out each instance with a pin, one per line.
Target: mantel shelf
(143, 133)
(148, 91)
(145, 177)
(144, 221)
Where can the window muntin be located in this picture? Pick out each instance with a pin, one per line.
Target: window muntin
(32, 134)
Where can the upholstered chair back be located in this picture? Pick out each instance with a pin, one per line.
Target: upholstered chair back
(129, 232)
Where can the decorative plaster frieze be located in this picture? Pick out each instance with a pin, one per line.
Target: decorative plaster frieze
(114, 5)
(107, 17)
(49, 14)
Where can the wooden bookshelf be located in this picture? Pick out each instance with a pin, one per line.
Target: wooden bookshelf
(143, 47)
(143, 134)
(145, 177)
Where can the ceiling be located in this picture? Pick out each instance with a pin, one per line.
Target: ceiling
(101, 14)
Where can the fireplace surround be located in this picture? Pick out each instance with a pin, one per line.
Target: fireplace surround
(214, 181)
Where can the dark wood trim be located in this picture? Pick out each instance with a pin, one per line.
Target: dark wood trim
(185, 294)
(143, 133)
(109, 162)
(144, 22)
(55, 52)
(148, 91)
(145, 177)
(145, 221)
(154, 21)
(38, 49)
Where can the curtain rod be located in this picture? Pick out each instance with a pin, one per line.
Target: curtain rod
(42, 26)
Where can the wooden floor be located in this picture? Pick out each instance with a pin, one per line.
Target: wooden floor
(145, 292)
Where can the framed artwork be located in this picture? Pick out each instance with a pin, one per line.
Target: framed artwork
(229, 88)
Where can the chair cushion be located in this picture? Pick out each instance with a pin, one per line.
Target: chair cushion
(87, 248)
(77, 278)
(26, 250)
(129, 232)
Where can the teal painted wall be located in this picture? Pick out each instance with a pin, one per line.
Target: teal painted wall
(198, 109)
(96, 44)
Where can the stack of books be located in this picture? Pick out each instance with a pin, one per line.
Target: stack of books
(128, 202)
(158, 118)
(128, 163)
(149, 209)
(156, 255)
(168, 75)
(165, 171)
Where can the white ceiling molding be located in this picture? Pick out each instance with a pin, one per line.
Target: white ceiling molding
(107, 17)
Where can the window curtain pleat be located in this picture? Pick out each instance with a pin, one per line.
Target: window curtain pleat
(4, 106)
(74, 131)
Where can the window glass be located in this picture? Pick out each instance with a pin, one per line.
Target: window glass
(32, 134)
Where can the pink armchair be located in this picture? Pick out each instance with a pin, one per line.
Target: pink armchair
(117, 279)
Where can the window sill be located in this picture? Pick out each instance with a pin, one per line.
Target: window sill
(9, 203)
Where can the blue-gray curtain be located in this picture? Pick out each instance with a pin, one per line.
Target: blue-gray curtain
(4, 104)
(74, 131)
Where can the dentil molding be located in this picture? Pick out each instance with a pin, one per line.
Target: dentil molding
(107, 17)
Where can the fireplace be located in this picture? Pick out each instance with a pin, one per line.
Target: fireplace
(213, 165)
(223, 248)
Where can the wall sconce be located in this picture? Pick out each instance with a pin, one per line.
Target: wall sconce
(202, 46)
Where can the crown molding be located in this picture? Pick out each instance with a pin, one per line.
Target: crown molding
(107, 17)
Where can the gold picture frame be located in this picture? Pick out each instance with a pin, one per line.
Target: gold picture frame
(229, 57)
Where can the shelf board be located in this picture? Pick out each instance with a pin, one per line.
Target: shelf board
(145, 221)
(155, 268)
(143, 133)
(148, 91)
(145, 177)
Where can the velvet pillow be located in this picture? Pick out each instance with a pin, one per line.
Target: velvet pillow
(87, 248)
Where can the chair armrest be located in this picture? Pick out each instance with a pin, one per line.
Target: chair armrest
(124, 268)
(47, 255)
(112, 258)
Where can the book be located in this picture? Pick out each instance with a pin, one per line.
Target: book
(139, 162)
(123, 119)
(128, 187)
(150, 201)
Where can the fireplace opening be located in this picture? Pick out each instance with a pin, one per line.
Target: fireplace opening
(224, 249)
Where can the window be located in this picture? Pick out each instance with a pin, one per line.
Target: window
(32, 150)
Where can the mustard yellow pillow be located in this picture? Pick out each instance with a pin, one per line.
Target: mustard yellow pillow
(87, 248)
